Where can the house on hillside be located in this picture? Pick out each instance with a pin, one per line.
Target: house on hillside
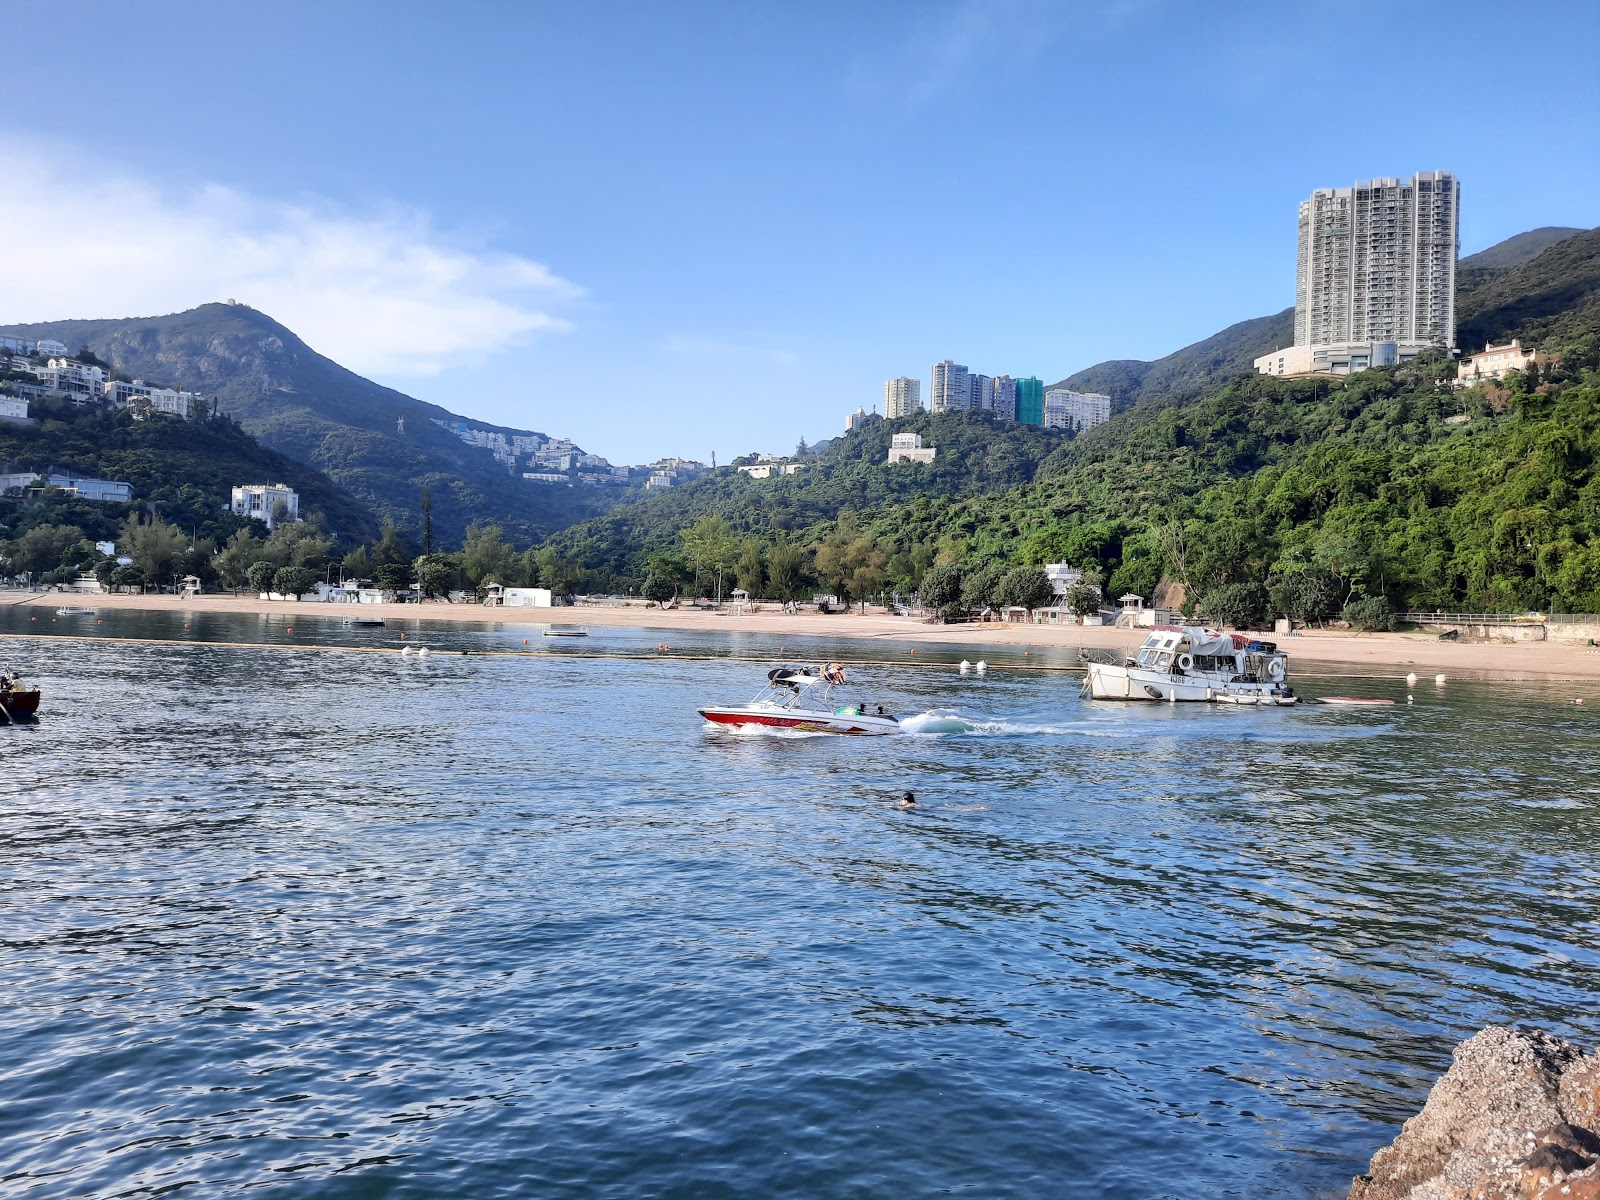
(1496, 362)
(908, 447)
(268, 502)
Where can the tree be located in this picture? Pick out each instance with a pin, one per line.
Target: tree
(426, 504)
(389, 548)
(1025, 587)
(941, 586)
(1371, 613)
(260, 574)
(298, 544)
(392, 577)
(979, 587)
(435, 574)
(233, 563)
(1082, 598)
(1241, 605)
(155, 546)
(785, 566)
(659, 589)
(45, 548)
(486, 557)
(709, 546)
(748, 570)
(293, 581)
(1308, 594)
(127, 576)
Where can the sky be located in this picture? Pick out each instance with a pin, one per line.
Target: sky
(697, 228)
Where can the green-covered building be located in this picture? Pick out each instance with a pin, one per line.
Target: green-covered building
(1030, 401)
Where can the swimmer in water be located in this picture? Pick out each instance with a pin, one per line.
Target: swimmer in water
(909, 800)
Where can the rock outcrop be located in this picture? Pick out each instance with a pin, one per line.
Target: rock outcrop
(1516, 1117)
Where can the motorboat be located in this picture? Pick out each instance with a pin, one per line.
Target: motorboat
(802, 699)
(566, 631)
(1353, 700)
(364, 622)
(18, 702)
(75, 611)
(1191, 663)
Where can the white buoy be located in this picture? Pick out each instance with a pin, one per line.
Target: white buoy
(965, 666)
(1579, 700)
(1411, 699)
(405, 651)
(982, 666)
(1438, 678)
(1411, 678)
(422, 653)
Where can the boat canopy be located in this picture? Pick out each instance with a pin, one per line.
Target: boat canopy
(1208, 641)
(793, 676)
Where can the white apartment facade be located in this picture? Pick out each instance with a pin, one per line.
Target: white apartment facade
(1496, 362)
(1376, 267)
(908, 447)
(901, 397)
(262, 502)
(1078, 411)
(13, 409)
(144, 398)
(1003, 398)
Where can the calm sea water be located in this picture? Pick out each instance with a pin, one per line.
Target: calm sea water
(354, 925)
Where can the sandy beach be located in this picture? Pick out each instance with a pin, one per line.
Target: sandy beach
(1393, 654)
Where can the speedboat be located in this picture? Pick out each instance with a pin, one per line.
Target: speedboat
(364, 622)
(1187, 662)
(75, 611)
(801, 698)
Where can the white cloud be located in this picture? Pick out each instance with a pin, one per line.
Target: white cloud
(383, 293)
(705, 347)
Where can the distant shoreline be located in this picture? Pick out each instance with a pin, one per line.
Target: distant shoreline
(1388, 655)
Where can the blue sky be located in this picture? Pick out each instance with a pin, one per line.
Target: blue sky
(685, 228)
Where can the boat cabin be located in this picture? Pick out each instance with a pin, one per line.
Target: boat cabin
(1189, 649)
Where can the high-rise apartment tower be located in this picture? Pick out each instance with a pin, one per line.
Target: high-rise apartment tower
(950, 389)
(1004, 391)
(1030, 401)
(901, 397)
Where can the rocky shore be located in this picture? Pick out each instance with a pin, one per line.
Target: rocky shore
(1516, 1117)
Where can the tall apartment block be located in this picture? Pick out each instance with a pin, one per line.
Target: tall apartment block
(1376, 276)
(1004, 398)
(1030, 401)
(950, 388)
(901, 397)
(980, 390)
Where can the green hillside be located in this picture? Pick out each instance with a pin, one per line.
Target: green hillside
(318, 413)
(1552, 298)
(1514, 251)
(976, 457)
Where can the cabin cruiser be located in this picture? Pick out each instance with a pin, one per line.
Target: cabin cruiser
(801, 698)
(1186, 662)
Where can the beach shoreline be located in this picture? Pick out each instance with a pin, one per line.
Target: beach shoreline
(1384, 654)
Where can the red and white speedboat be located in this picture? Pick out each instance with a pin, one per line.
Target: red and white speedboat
(801, 698)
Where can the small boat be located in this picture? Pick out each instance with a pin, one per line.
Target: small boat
(558, 631)
(17, 702)
(71, 611)
(1187, 662)
(1352, 700)
(801, 698)
(364, 622)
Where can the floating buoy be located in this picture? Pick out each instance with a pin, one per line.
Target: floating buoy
(1579, 700)
(405, 651)
(1025, 653)
(186, 625)
(1412, 677)
(913, 654)
(982, 666)
(1438, 678)
(289, 630)
(1411, 699)
(965, 666)
(423, 652)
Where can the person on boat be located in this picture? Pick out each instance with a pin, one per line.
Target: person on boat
(909, 800)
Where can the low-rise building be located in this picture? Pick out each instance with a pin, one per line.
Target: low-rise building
(757, 470)
(13, 409)
(268, 502)
(793, 468)
(661, 479)
(860, 419)
(908, 447)
(103, 490)
(546, 476)
(1496, 362)
(1066, 409)
(72, 378)
(1341, 358)
(144, 399)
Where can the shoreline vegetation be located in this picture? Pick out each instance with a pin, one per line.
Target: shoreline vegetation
(1384, 655)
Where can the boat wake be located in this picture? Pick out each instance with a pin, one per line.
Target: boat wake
(942, 722)
(762, 731)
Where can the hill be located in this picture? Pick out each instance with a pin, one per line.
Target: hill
(1554, 297)
(975, 457)
(379, 444)
(1187, 373)
(1516, 250)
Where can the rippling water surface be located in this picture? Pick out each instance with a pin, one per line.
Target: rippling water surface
(341, 924)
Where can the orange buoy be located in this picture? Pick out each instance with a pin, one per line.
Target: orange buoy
(291, 628)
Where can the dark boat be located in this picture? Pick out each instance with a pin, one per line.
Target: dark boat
(17, 703)
(364, 622)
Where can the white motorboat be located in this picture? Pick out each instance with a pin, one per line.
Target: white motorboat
(1187, 662)
(801, 698)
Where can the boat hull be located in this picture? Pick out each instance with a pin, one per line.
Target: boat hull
(802, 720)
(1111, 682)
(20, 704)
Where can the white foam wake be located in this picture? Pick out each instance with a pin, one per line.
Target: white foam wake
(937, 722)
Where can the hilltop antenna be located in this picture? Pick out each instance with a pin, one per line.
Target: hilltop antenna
(400, 425)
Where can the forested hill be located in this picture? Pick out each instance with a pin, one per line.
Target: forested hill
(975, 456)
(1554, 297)
(317, 412)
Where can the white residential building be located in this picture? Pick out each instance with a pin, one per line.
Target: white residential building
(50, 346)
(78, 380)
(105, 490)
(791, 468)
(13, 409)
(1066, 409)
(661, 479)
(1003, 393)
(908, 447)
(1376, 268)
(950, 389)
(545, 476)
(265, 501)
(757, 470)
(901, 397)
(980, 391)
(144, 398)
(1496, 362)
(860, 419)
